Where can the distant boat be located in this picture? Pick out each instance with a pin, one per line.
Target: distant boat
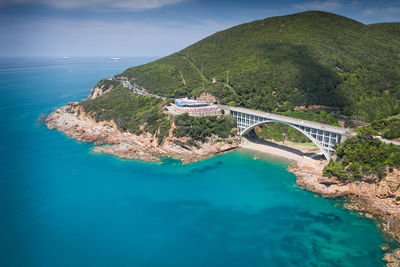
(64, 57)
(115, 58)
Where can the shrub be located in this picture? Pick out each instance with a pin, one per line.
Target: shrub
(363, 155)
(129, 111)
(201, 128)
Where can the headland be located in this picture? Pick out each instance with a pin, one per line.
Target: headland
(299, 72)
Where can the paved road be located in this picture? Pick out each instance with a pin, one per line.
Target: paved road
(271, 116)
(388, 141)
(138, 91)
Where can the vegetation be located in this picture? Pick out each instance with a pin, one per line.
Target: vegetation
(106, 84)
(281, 132)
(389, 128)
(363, 157)
(131, 112)
(137, 114)
(275, 64)
(200, 128)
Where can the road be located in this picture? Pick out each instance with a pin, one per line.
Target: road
(270, 115)
(291, 120)
(138, 91)
(387, 141)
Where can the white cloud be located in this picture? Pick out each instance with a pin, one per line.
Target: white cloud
(319, 5)
(55, 37)
(355, 3)
(130, 5)
(382, 11)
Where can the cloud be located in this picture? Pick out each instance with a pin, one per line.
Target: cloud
(55, 37)
(130, 5)
(388, 13)
(319, 5)
(382, 11)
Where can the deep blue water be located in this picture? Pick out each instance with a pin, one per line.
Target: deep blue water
(62, 205)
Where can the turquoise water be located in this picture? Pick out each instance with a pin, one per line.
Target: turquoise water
(62, 205)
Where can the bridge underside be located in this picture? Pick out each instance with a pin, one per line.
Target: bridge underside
(325, 140)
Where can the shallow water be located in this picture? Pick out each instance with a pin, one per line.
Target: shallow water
(63, 205)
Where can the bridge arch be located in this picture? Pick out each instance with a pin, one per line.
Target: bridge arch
(318, 144)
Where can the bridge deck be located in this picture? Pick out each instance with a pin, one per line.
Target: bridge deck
(272, 116)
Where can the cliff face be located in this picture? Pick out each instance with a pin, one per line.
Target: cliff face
(378, 198)
(74, 122)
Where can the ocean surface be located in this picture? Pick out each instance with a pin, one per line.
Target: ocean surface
(62, 205)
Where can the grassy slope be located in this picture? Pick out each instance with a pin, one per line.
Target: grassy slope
(306, 58)
(129, 111)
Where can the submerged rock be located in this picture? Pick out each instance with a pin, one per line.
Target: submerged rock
(393, 264)
(385, 247)
(389, 257)
(396, 252)
(369, 215)
(373, 200)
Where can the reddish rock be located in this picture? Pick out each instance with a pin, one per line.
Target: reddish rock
(371, 198)
(385, 247)
(107, 139)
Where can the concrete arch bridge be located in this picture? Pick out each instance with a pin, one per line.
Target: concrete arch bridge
(324, 136)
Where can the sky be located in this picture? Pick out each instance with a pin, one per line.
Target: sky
(122, 28)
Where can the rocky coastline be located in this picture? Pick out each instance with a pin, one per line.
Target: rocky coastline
(108, 139)
(371, 200)
(380, 201)
(377, 201)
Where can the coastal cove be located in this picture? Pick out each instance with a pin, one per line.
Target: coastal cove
(64, 205)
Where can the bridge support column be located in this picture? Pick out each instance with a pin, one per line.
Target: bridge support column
(325, 137)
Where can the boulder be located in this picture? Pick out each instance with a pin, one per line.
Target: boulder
(393, 181)
(396, 252)
(393, 264)
(369, 215)
(362, 189)
(383, 190)
(385, 247)
(389, 257)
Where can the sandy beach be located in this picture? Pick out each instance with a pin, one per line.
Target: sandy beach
(271, 149)
(305, 158)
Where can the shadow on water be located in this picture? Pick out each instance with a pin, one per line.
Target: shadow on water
(208, 167)
(205, 165)
(306, 236)
(171, 162)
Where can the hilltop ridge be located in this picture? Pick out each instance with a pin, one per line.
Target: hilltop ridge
(288, 64)
(278, 63)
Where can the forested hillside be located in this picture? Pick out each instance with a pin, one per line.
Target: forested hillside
(275, 64)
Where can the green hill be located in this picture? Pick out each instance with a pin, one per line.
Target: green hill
(310, 58)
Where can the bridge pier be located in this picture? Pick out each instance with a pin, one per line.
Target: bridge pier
(325, 137)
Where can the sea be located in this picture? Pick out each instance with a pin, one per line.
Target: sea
(63, 205)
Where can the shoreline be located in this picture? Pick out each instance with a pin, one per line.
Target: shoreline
(276, 150)
(370, 200)
(108, 139)
(308, 161)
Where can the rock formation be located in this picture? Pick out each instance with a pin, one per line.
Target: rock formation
(108, 139)
(380, 199)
